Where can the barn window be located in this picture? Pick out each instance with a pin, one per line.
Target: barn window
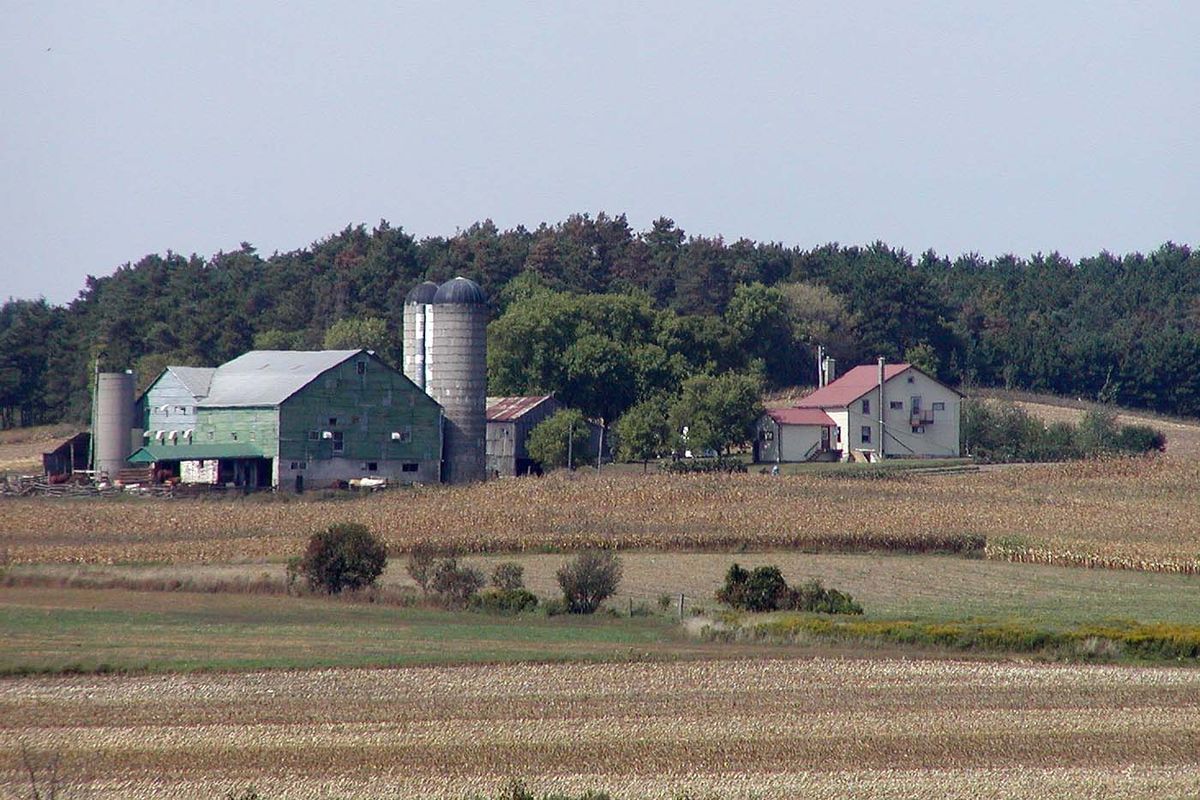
(406, 433)
(866, 406)
(372, 466)
(339, 445)
(408, 466)
(233, 435)
(314, 436)
(354, 420)
(362, 367)
(866, 434)
(896, 405)
(333, 422)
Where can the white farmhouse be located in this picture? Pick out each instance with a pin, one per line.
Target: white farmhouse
(890, 411)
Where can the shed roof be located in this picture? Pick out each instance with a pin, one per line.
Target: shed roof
(851, 386)
(268, 377)
(801, 416)
(195, 452)
(81, 439)
(507, 409)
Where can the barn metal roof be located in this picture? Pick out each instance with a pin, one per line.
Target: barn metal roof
(196, 380)
(851, 386)
(801, 416)
(507, 409)
(268, 377)
(195, 452)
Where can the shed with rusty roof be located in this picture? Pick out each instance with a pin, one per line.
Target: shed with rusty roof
(509, 421)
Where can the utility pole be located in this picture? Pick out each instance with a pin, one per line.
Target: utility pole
(570, 445)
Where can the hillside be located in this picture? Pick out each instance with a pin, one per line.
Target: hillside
(1183, 434)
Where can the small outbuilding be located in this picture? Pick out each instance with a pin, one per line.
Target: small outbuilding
(509, 421)
(795, 434)
(69, 457)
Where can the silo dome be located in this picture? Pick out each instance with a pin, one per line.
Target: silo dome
(421, 294)
(460, 291)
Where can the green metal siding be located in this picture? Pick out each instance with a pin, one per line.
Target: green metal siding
(366, 409)
(257, 426)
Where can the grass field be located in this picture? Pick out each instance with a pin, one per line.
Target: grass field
(825, 728)
(1124, 514)
(889, 586)
(46, 629)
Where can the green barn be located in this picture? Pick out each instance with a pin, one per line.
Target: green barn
(297, 419)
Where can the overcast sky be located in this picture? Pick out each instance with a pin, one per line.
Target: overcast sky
(129, 128)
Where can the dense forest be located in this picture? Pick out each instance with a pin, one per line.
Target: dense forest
(609, 317)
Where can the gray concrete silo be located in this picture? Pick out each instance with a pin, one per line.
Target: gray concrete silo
(416, 326)
(114, 421)
(456, 376)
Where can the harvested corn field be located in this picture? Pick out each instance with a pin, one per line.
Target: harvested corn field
(1123, 514)
(812, 728)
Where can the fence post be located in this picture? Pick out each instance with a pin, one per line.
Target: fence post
(681, 606)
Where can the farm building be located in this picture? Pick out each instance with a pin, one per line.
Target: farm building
(69, 457)
(890, 410)
(795, 434)
(289, 418)
(169, 403)
(509, 421)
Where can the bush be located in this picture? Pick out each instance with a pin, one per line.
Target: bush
(454, 586)
(344, 556)
(590, 579)
(508, 576)
(705, 466)
(421, 562)
(764, 589)
(505, 601)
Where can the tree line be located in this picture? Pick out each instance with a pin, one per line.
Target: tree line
(609, 318)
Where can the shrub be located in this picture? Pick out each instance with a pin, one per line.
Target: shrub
(588, 580)
(705, 466)
(505, 601)
(764, 589)
(344, 556)
(421, 562)
(454, 586)
(508, 576)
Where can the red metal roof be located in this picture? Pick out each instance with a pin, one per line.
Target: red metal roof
(851, 386)
(507, 409)
(801, 416)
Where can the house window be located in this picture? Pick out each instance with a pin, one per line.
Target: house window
(939, 406)
(866, 434)
(911, 379)
(372, 466)
(339, 445)
(765, 434)
(866, 406)
(333, 422)
(918, 428)
(314, 436)
(408, 466)
(896, 405)
(837, 435)
(362, 367)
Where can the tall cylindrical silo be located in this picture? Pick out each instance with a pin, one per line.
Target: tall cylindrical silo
(114, 421)
(416, 325)
(456, 376)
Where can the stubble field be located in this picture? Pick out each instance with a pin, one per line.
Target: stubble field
(777, 728)
(1137, 514)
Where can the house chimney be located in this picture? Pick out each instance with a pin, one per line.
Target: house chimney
(830, 370)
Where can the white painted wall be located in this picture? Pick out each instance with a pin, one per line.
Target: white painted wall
(940, 437)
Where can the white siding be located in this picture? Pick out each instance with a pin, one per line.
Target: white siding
(798, 442)
(940, 437)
